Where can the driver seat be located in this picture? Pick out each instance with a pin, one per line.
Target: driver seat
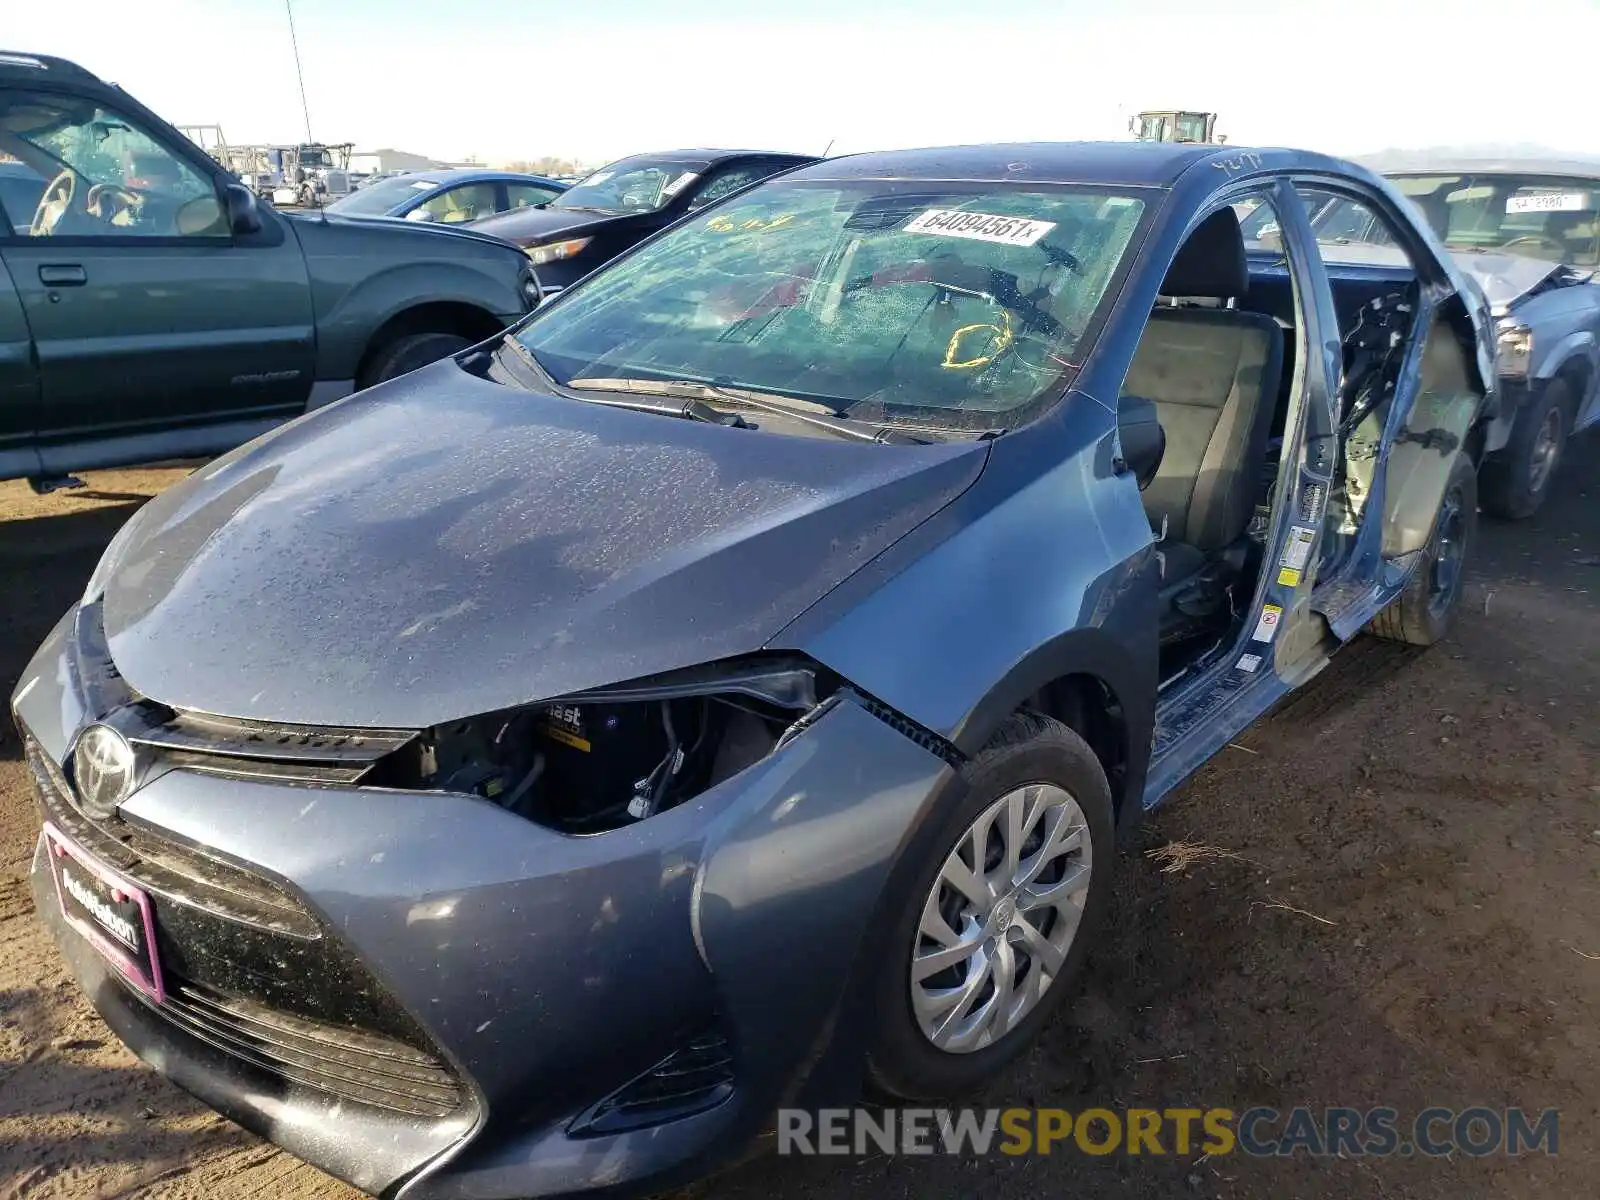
(1214, 374)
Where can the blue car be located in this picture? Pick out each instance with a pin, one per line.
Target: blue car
(448, 197)
(727, 687)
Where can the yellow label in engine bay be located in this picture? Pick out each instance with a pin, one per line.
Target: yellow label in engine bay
(564, 724)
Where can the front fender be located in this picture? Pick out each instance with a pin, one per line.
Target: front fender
(350, 310)
(1579, 345)
(1034, 573)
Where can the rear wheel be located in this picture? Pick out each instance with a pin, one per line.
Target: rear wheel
(1425, 611)
(408, 352)
(1000, 919)
(1516, 481)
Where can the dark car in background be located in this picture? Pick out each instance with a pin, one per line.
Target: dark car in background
(728, 686)
(20, 189)
(151, 307)
(448, 197)
(618, 206)
(1528, 232)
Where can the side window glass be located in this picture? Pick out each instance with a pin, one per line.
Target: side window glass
(1350, 231)
(525, 195)
(98, 173)
(20, 189)
(728, 182)
(456, 205)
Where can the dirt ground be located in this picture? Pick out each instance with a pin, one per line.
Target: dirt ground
(1408, 914)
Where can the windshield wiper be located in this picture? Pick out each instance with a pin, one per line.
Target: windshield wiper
(692, 409)
(808, 412)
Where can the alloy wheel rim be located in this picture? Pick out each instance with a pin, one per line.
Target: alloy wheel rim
(1000, 918)
(1546, 448)
(1449, 552)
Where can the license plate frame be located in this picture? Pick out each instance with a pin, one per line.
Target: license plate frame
(113, 914)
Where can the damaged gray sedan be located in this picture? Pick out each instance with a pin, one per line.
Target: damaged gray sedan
(725, 690)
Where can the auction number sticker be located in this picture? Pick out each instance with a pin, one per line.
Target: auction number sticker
(979, 227)
(1248, 663)
(1267, 626)
(1549, 202)
(681, 182)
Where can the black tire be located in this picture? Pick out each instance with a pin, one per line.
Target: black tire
(1029, 748)
(407, 353)
(1423, 613)
(1516, 480)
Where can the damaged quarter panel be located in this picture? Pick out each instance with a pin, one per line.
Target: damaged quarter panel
(432, 549)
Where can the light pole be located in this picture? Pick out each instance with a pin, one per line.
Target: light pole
(305, 108)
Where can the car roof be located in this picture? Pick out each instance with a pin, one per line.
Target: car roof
(18, 66)
(1426, 164)
(1132, 164)
(467, 174)
(710, 156)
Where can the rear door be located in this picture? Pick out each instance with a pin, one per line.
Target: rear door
(147, 315)
(1409, 391)
(19, 386)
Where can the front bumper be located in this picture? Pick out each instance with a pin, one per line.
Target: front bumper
(544, 972)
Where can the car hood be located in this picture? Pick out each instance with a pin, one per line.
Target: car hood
(530, 226)
(442, 546)
(1506, 278)
(333, 223)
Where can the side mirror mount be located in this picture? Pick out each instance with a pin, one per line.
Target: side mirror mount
(243, 213)
(532, 290)
(1144, 442)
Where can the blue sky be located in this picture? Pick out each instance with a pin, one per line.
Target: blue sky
(594, 79)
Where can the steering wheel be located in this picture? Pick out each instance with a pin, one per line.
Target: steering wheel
(122, 200)
(53, 204)
(1538, 239)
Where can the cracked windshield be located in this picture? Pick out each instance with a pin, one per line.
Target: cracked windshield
(945, 305)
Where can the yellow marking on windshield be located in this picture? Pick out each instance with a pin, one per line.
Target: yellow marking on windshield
(726, 224)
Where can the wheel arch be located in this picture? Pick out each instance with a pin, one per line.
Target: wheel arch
(1091, 708)
(1577, 370)
(434, 316)
(1100, 688)
(1572, 358)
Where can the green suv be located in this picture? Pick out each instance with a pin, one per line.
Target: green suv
(151, 309)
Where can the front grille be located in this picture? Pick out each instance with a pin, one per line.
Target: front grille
(249, 970)
(352, 1064)
(688, 1081)
(257, 749)
(169, 871)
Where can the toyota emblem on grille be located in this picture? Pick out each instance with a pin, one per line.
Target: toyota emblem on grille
(103, 767)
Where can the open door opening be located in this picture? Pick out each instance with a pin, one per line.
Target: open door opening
(1218, 375)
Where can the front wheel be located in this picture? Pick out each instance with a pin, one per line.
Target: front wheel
(409, 352)
(1517, 479)
(1001, 916)
(1424, 612)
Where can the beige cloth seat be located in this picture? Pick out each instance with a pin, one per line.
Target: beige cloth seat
(1214, 375)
